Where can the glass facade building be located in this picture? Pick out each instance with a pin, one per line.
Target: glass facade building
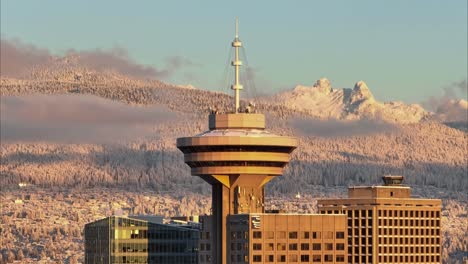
(127, 240)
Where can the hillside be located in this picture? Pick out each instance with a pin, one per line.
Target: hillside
(356, 150)
(108, 130)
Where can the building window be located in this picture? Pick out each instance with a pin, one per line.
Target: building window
(305, 235)
(270, 258)
(257, 246)
(281, 258)
(293, 246)
(340, 246)
(281, 234)
(316, 235)
(305, 246)
(281, 246)
(328, 258)
(339, 235)
(304, 258)
(292, 258)
(339, 258)
(257, 258)
(270, 246)
(293, 235)
(257, 234)
(328, 246)
(270, 235)
(316, 258)
(316, 246)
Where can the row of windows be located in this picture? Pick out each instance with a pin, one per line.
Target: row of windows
(408, 213)
(409, 259)
(360, 250)
(288, 258)
(409, 223)
(154, 234)
(410, 240)
(410, 250)
(196, 164)
(127, 222)
(359, 231)
(363, 222)
(360, 213)
(409, 231)
(360, 259)
(154, 259)
(303, 235)
(224, 148)
(360, 241)
(296, 246)
(181, 246)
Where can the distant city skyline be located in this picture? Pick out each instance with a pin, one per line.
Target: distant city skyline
(403, 50)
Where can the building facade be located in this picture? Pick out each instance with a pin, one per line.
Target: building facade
(386, 225)
(287, 238)
(129, 240)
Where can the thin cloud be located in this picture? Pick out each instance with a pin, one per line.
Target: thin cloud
(17, 59)
(76, 119)
(455, 90)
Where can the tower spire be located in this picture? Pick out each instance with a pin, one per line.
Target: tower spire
(236, 43)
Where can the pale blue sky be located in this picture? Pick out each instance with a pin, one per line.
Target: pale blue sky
(404, 49)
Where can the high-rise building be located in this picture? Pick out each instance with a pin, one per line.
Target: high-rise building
(287, 238)
(237, 156)
(130, 240)
(387, 225)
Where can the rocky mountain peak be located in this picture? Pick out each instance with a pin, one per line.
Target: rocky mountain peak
(323, 85)
(360, 93)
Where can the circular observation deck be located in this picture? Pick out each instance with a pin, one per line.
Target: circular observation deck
(237, 144)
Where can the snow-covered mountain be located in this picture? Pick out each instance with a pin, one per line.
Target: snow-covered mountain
(324, 102)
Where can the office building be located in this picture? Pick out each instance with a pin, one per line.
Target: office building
(129, 240)
(386, 225)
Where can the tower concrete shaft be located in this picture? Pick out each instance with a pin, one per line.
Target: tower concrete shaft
(237, 157)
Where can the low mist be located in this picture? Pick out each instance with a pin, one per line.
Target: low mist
(76, 119)
(341, 128)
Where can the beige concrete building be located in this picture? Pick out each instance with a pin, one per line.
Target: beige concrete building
(287, 238)
(386, 225)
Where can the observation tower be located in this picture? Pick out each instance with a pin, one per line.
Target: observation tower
(237, 156)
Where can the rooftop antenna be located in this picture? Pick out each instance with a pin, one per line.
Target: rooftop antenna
(236, 43)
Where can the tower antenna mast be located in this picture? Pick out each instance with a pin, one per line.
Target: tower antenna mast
(236, 43)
